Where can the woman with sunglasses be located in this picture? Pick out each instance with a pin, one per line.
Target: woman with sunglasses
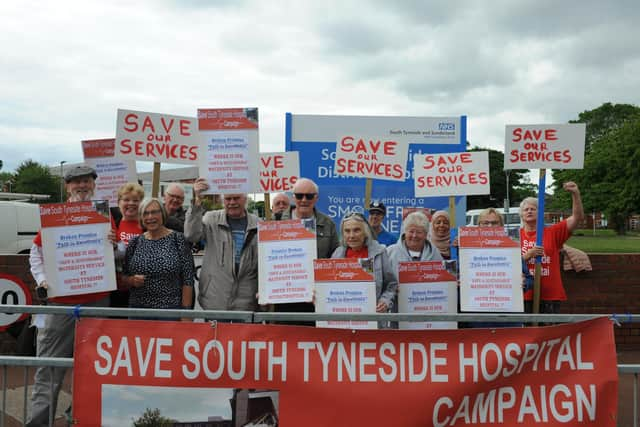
(357, 242)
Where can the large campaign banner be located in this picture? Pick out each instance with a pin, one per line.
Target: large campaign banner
(553, 146)
(490, 270)
(193, 372)
(113, 172)
(156, 137)
(426, 287)
(315, 137)
(229, 149)
(78, 257)
(286, 250)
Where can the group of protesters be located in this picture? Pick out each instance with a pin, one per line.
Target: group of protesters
(153, 238)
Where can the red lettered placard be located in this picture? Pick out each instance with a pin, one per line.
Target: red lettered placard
(550, 376)
(156, 137)
(452, 174)
(371, 157)
(278, 171)
(544, 146)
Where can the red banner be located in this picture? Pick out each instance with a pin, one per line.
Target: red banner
(547, 376)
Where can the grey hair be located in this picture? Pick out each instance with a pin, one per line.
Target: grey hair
(358, 217)
(418, 219)
(303, 180)
(145, 203)
(486, 212)
(528, 201)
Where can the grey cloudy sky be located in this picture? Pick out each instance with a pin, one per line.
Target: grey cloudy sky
(67, 66)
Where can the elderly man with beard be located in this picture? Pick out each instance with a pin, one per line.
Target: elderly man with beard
(56, 331)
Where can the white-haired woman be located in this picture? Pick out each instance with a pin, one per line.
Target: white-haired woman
(414, 244)
(158, 265)
(357, 242)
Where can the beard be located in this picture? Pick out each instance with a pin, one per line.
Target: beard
(81, 196)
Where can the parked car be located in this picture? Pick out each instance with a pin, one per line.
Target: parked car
(19, 224)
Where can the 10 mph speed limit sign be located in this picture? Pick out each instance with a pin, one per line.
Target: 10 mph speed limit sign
(13, 291)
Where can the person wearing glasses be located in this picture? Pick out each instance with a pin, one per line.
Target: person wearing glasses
(377, 212)
(158, 265)
(279, 204)
(229, 274)
(173, 200)
(357, 242)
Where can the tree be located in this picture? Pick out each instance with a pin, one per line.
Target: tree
(6, 181)
(34, 178)
(608, 181)
(152, 418)
(519, 185)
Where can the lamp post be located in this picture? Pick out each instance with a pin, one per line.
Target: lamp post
(62, 162)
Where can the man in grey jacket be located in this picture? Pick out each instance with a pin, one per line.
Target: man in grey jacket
(229, 275)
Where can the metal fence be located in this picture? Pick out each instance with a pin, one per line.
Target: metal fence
(266, 317)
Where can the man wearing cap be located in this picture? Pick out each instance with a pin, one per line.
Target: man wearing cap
(377, 212)
(56, 331)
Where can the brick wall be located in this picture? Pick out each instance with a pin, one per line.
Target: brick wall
(612, 287)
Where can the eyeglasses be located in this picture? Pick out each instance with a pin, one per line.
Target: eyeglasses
(153, 212)
(308, 196)
(175, 196)
(488, 223)
(354, 215)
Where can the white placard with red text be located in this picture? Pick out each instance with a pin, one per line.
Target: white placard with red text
(278, 171)
(78, 257)
(371, 157)
(544, 146)
(426, 287)
(490, 270)
(286, 250)
(156, 137)
(451, 174)
(229, 150)
(113, 172)
(343, 286)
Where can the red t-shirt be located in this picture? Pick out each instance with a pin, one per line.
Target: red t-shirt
(71, 299)
(554, 237)
(126, 230)
(360, 253)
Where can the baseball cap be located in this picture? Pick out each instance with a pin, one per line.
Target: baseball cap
(377, 206)
(79, 171)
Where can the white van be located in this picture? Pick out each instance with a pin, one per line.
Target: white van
(511, 218)
(19, 224)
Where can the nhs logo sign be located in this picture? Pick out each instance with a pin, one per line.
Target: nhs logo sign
(446, 126)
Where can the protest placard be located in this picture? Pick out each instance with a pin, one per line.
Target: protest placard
(343, 286)
(113, 172)
(78, 258)
(286, 250)
(490, 270)
(451, 174)
(278, 171)
(229, 151)
(426, 287)
(552, 376)
(544, 146)
(371, 157)
(156, 137)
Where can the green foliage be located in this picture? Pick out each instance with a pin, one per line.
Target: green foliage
(152, 418)
(519, 185)
(609, 180)
(5, 179)
(32, 177)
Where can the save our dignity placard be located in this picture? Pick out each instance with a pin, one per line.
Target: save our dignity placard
(286, 250)
(490, 270)
(229, 150)
(78, 258)
(156, 137)
(451, 174)
(544, 146)
(278, 171)
(426, 287)
(343, 286)
(113, 172)
(553, 376)
(371, 157)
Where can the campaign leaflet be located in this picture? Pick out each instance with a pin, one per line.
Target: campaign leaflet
(78, 257)
(343, 286)
(113, 172)
(229, 154)
(426, 287)
(490, 270)
(286, 250)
